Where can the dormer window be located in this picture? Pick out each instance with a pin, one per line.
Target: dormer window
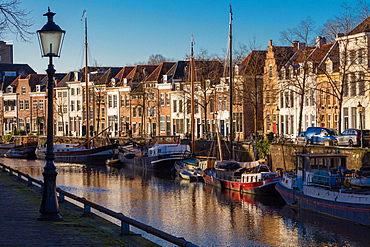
(38, 88)
(9, 89)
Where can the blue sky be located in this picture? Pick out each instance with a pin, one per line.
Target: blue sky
(122, 32)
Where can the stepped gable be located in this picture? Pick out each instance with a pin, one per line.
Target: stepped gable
(363, 27)
(157, 74)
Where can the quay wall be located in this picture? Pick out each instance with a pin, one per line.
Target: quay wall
(281, 155)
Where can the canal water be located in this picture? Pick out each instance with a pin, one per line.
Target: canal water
(202, 214)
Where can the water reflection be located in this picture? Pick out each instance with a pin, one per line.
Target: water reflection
(200, 213)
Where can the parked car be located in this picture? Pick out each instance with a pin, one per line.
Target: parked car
(301, 138)
(352, 137)
(320, 135)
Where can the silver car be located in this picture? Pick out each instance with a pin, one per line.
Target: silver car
(352, 137)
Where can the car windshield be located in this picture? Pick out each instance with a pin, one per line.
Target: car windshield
(332, 132)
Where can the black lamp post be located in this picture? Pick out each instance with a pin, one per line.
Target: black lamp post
(50, 39)
(360, 110)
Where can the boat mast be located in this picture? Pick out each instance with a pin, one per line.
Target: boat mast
(231, 82)
(192, 68)
(87, 86)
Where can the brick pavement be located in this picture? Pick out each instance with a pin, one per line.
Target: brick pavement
(19, 209)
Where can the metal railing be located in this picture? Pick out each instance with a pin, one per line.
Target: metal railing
(125, 221)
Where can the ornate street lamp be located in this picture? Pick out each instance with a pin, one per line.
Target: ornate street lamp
(360, 110)
(50, 39)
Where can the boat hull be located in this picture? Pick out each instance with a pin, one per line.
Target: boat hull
(21, 152)
(264, 187)
(150, 163)
(99, 154)
(353, 212)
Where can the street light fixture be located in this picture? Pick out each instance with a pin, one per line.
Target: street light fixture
(360, 110)
(50, 39)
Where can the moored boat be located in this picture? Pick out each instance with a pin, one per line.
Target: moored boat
(322, 184)
(161, 155)
(245, 177)
(79, 153)
(24, 151)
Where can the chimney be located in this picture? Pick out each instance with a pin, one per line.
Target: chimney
(320, 41)
(270, 42)
(299, 46)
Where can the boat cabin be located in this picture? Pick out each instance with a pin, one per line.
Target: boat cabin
(320, 169)
(172, 139)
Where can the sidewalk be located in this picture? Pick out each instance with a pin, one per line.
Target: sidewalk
(19, 209)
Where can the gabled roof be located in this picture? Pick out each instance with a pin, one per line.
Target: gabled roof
(104, 78)
(140, 72)
(282, 54)
(70, 76)
(254, 63)
(123, 74)
(178, 71)
(364, 26)
(21, 69)
(33, 80)
(319, 53)
(162, 69)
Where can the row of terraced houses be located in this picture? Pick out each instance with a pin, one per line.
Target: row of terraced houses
(283, 89)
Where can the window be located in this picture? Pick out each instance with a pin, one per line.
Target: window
(167, 99)
(78, 105)
(23, 90)
(115, 101)
(34, 104)
(174, 106)
(162, 124)
(72, 105)
(110, 102)
(122, 100)
(78, 91)
(180, 105)
(41, 104)
(64, 94)
(59, 94)
(161, 99)
(352, 82)
(26, 104)
(65, 109)
(361, 84)
(21, 105)
(72, 91)
(270, 71)
(127, 100)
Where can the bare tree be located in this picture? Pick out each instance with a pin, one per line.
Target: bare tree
(296, 78)
(15, 20)
(156, 59)
(304, 32)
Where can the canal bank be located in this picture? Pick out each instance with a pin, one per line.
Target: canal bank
(19, 209)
